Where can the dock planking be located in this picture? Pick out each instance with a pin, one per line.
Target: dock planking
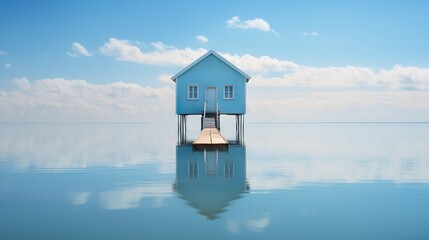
(210, 138)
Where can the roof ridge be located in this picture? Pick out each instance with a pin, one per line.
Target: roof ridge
(208, 53)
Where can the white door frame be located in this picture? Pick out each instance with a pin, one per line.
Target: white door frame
(215, 99)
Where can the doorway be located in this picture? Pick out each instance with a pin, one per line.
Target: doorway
(211, 99)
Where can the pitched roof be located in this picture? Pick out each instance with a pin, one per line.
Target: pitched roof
(211, 52)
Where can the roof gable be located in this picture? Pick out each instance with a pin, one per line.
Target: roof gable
(211, 52)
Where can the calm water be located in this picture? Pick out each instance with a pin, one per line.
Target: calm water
(289, 181)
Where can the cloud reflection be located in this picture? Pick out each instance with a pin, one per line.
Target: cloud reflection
(56, 147)
(130, 197)
(79, 198)
(298, 154)
(254, 224)
(279, 156)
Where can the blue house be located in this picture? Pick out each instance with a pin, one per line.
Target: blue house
(210, 86)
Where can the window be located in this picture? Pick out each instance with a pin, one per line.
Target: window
(192, 170)
(193, 92)
(229, 170)
(228, 92)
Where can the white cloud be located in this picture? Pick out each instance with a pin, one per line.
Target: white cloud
(283, 85)
(313, 33)
(259, 64)
(159, 46)
(233, 21)
(301, 76)
(397, 78)
(78, 50)
(342, 100)
(7, 65)
(257, 23)
(165, 55)
(202, 39)
(405, 78)
(289, 73)
(71, 100)
(166, 78)
(3, 52)
(337, 105)
(162, 54)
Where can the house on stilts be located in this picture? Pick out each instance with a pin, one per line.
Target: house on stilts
(210, 86)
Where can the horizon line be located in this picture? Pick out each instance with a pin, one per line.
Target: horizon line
(250, 122)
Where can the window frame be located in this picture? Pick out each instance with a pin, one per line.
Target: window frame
(232, 92)
(228, 170)
(193, 168)
(196, 90)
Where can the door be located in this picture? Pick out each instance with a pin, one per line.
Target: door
(211, 159)
(211, 99)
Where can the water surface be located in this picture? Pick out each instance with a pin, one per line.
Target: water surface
(289, 181)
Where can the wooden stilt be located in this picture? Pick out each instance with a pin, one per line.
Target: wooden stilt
(181, 128)
(178, 129)
(214, 138)
(242, 129)
(236, 128)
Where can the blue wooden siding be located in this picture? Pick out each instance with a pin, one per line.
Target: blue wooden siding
(211, 72)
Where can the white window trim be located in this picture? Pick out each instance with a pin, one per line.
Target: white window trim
(228, 170)
(195, 174)
(198, 94)
(233, 92)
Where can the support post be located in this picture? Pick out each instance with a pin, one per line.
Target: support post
(181, 129)
(236, 128)
(218, 122)
(184, 129)
(178, 129)
(242, 142)
(239, 128)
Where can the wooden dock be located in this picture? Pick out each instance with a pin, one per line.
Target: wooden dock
(210, 138)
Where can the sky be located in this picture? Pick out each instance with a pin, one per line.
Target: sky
(311, 61)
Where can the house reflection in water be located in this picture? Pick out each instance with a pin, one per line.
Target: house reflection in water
(210, 179)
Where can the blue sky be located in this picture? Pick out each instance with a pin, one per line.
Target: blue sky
(71, 61)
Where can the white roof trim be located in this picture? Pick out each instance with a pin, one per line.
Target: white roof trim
(202, 58)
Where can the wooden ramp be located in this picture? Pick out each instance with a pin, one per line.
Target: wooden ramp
(210, 138)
